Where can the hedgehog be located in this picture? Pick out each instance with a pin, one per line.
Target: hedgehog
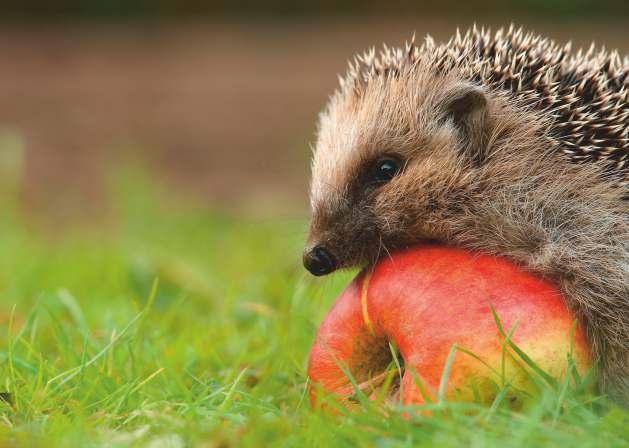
(505, 143)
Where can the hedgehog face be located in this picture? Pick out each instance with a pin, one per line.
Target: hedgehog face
(385, 161)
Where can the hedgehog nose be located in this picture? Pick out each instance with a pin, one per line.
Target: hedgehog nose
(319, 261)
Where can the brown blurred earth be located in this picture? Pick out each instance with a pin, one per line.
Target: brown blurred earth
(226, 110)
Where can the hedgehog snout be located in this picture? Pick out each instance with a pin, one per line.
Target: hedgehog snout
(319, 261)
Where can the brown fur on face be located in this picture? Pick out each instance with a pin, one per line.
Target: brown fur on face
(481, 171)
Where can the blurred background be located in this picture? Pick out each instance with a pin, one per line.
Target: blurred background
(167, 142)
(218, 99)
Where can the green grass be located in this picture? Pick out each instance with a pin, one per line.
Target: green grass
(180, 326)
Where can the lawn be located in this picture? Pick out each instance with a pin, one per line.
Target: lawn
(176, 325)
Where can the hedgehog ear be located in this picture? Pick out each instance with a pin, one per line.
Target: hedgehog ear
(465, 106)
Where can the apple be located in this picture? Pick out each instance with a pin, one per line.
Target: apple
(439, 307)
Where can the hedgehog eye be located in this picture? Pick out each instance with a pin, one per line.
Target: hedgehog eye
(385, 170)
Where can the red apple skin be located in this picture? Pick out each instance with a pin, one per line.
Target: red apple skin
(426, 299)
